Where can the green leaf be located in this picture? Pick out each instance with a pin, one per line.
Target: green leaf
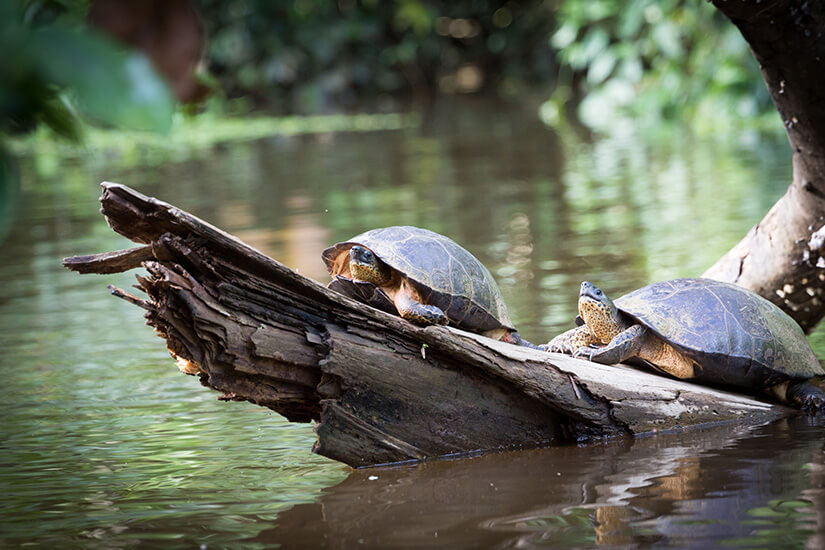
(667, 38)
(631, 19)
(110, 84)
(564, 36)
(601, 68)
(57, 115)
(415, 15)
(595, 42)
(764, 512)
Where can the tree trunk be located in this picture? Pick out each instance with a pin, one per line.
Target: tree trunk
(381, 389)
(783, 257)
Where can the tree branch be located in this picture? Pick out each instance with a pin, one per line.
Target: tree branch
(780, 258)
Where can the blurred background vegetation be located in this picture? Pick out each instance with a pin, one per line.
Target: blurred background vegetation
(80, 64)
(663, 59)
(650, 58)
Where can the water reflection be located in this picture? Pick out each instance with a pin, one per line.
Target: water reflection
(717, 487)
(105, 444)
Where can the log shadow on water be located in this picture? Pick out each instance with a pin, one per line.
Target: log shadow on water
(702, 488)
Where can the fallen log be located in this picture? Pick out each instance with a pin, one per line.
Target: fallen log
(379, 388)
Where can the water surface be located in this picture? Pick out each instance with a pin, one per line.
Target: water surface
(104, 443)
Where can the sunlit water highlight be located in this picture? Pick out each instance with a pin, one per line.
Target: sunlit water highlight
(104, 444)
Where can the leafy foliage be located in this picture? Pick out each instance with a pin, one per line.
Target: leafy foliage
(314, 54)
(60, 65)
(661, 59)
(53, 69)
(655, 59)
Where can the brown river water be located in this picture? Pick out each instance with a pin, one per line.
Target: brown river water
(106, 445)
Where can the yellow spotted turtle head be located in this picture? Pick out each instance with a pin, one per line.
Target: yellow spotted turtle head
(598, 312)
(364, 265)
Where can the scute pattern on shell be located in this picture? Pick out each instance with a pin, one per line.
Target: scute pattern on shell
(736, 336)
(456, 280)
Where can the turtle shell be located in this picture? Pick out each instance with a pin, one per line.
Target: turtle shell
(734, 335)
(444, 273)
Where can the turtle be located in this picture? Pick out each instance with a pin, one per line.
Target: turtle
(698, 329)
(423, 276)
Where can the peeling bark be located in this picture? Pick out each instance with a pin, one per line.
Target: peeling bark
(380, 389)
(781, 258)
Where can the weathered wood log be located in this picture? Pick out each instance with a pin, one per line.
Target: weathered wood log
(381, 389)
(783, 256)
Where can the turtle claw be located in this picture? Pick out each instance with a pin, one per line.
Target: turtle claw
(813, 404)
(552, 345)
(559, 345)
(571, 341)
(585, 352)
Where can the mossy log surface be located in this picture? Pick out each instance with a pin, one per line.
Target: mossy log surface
(380, 389)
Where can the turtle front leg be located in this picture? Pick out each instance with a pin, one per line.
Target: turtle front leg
(806, 396)
(415, 312)
(622, 347)
(516, 339)
(570, 341)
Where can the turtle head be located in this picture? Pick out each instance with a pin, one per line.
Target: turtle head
(598, 312)
(364, 265)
